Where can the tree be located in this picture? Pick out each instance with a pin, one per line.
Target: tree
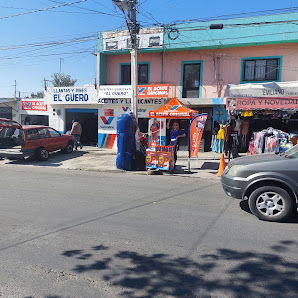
(39, 94)
(62, 80)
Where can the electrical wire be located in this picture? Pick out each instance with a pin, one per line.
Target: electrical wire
(88, 9)
(41, 10)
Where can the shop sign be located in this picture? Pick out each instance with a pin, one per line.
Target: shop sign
(144, 91)
(121, 101)
(271, 89)
(272, 103)
(34, 106)
(121, 40)
(142, 112)
(147, 91)
(71, 95)
(114, 91)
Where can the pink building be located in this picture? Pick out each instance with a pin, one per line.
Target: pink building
(200, 64)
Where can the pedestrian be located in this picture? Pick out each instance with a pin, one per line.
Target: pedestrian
(175, 134)
(76, 131)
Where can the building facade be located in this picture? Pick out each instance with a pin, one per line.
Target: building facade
(199, 63)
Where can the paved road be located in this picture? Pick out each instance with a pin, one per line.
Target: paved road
(81, 234)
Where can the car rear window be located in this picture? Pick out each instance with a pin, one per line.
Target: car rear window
(7, 132)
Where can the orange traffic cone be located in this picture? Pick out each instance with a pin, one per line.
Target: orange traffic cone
(222, 165)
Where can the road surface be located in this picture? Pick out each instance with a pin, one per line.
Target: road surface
(83, 234)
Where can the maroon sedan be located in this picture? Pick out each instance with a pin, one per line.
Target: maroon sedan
(20, 141)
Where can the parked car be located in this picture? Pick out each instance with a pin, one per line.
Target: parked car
(20, 141)
(268, 181)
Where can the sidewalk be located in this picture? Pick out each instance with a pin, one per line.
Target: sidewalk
(104, 160)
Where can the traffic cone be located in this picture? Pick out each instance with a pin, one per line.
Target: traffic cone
(222, 165)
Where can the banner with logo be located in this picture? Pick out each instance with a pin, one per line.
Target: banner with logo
(155, 90)
(34, 105)
(196, 129)
(157, 131)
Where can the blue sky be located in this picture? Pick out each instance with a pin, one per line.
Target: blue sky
(32, 44)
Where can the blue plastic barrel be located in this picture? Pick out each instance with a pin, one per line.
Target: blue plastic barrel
(126, 141)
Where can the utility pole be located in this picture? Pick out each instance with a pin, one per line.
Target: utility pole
(133, 28)
(134, 60)
(60, 66)
(15, 89)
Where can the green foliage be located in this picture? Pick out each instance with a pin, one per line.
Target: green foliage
(39, 94)
(62, 80)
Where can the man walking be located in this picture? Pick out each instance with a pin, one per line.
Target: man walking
(76, 131)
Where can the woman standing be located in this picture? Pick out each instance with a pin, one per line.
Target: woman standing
(175, 134)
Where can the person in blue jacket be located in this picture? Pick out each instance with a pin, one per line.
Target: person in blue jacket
(175, 134)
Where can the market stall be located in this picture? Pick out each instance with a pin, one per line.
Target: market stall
(162, 157)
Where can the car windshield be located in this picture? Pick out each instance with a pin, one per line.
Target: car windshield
(292, 153)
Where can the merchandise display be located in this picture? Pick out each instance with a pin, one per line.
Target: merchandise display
(269, 140)
(160, 157)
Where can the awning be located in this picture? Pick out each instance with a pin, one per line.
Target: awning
(270, 89)
(174, 109)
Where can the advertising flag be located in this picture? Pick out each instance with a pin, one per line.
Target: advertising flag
(196, 129)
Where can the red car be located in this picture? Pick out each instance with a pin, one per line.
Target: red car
(20, 141)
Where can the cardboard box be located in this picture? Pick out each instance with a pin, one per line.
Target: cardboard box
(165, 161)
(151, 159)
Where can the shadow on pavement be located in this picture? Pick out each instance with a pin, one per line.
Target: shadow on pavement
(55, 160)
(182, 170)
(210, 166)
(231, 273)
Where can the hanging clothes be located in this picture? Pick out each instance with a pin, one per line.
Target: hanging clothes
(228, 138)
(214, 136)
(244, 135)
(220, 139)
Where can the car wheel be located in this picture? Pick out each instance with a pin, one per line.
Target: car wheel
(69, 148)
(271, 203)
(42, 154)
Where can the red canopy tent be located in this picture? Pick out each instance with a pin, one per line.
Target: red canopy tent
(174, 109)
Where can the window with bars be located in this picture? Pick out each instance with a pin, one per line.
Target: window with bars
(143, 74)
(261, 69)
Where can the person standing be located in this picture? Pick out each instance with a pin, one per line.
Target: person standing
(76, 131)
(175, 134)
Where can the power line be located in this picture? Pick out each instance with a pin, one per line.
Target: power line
(40, 10)
(92, 10)
(76, 40)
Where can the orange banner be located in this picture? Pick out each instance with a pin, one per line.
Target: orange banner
(156, 90)
(196, 129)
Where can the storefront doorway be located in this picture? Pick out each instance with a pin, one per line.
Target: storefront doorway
(207, 135)
(34, 120)
(89, 121)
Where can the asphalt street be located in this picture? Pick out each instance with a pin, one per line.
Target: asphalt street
(71, 233)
